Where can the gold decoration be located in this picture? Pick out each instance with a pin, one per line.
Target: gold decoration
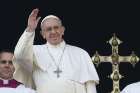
(115, 59)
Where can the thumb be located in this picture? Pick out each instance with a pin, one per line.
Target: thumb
(38, 19)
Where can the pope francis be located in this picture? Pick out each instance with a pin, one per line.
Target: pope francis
(53, 67)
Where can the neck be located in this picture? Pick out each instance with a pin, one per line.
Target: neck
(56, 45)
(5, 78)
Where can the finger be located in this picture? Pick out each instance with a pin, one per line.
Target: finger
(34, 12)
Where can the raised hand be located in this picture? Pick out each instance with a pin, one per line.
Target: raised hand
(33, 20)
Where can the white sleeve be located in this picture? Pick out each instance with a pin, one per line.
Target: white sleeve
(23, 54)
(23, 59)
(23, 89)
(127, 89)
(91, 87)
(123, 91)
(7, 90)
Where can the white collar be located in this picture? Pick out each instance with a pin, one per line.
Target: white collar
(5, 81)
(60, 45)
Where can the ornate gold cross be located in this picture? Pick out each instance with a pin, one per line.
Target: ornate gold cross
(115, 59)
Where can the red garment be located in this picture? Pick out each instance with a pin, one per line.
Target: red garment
(11, 83)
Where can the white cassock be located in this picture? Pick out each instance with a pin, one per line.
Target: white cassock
(19, 89)
(132, 88)
(35, 66)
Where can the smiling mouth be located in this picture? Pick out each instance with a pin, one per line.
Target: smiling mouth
(54, 37)
(7, 71)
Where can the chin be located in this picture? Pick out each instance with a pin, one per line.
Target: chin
(55, 43)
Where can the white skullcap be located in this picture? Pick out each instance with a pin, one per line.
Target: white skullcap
(50, 16)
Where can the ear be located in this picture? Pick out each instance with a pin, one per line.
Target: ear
(42, 34)
(63, 30)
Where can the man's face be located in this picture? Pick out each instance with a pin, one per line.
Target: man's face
(6, 66)
(52, 31)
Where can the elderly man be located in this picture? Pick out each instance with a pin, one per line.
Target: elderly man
(54, 67)
(7, 83)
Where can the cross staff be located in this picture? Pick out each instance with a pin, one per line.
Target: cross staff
(115, 59)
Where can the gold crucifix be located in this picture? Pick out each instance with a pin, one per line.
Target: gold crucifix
(115, 59)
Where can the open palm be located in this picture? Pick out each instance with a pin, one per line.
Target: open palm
(33, 19)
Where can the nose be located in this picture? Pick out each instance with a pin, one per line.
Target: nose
(7, 64)
(53, 30)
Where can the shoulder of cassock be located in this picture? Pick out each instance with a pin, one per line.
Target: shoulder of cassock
(132, 88)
